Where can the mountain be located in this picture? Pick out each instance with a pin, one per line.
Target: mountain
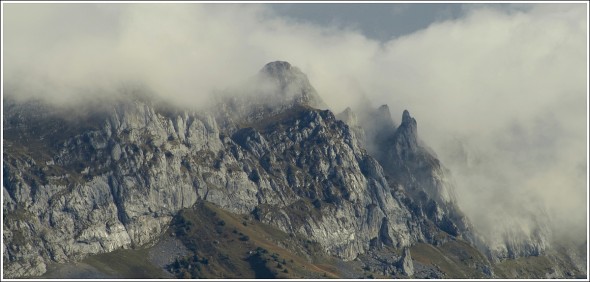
(322, 195)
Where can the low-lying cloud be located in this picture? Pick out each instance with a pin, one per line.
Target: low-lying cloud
(500, 94)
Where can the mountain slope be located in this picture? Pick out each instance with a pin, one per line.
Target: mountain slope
(116, 177)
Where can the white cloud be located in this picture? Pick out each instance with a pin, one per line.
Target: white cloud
(512, 83)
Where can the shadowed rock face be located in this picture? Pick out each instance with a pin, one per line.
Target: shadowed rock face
(407, 133)
(415, 173)
(425, 186)
(115, 178)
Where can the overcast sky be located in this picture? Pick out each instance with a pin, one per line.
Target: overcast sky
(499, 91)
(376, 21)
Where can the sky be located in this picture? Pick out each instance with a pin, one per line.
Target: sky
(499, 91)
(376, 21)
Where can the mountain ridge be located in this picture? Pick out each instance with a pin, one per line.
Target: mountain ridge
(85, 190)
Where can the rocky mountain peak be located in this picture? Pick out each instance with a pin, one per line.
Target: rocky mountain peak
(289, 82)
(348, 116)
(118, 180)
(278, 68)
(284, 74)
(384, 109)
(383, 115)
(409, 128)
(407, 119)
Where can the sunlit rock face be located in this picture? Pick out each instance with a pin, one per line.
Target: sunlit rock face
(114, 177)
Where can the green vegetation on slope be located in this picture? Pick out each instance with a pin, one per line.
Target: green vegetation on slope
(126, 264)
(226, 245)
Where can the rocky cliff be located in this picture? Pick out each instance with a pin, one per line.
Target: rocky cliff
(115, 175)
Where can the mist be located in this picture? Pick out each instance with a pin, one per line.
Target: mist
(499, 93)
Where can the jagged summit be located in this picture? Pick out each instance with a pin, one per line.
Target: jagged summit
(348, 116)
(409, 123)
(284, 73)
(278, 68)
(383, 114)
(384, 109)
(407, 132)
(406, 117)
(280, 79)
(352, 196)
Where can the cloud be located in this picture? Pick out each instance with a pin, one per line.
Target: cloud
(182, 51)
(509, 83)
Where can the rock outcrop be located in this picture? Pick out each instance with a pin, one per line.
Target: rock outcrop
(406, 264)
(82, 184)
(114, 178)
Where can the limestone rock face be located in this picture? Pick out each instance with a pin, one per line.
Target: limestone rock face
(416, 176)
(425, 187)
(113, 177)
(407, 265)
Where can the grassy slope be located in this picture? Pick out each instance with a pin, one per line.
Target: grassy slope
(127, 264)
(456, 259)
(539, 267)
(226, 245)
(237, 246)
